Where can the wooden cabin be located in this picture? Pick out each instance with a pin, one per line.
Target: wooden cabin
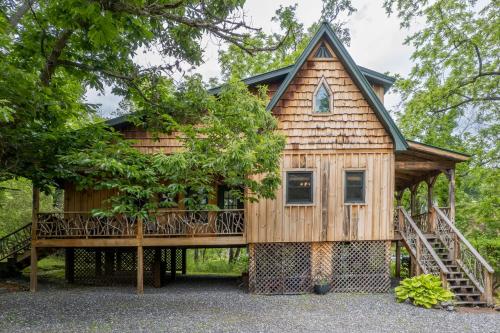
(344, 168)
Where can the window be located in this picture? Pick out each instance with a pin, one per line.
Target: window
(323, 98)
(299, 187)
(354, 187)
(323, 52)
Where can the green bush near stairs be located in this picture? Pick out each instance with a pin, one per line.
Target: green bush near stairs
(423, 290)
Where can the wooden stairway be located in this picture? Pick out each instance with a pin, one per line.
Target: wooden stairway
(438, 247)
(15, 251)
(466, 294)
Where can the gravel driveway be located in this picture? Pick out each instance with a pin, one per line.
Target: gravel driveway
(219, 305)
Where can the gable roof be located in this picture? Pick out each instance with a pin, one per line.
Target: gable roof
(360, 75)
(325, 32)
(278, 75)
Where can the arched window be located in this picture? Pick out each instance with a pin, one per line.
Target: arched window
(323, 98)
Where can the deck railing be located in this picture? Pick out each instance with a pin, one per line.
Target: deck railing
(466, 256)
(425, 256)
(84, 225)
(172, 223)
(15, 242)
(180, 223)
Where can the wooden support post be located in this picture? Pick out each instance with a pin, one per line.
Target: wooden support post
(34, 252)
(70, 265)
(98, 262)
(413, 200)
(109, 258)
(450, 174)
(488, 287)
(157, 279)
(173, 263)
(140, 258)
(418, 244)
(184, 261)
(432, 217)
(398, 260)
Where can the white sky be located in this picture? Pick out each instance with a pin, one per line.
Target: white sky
(376, 42)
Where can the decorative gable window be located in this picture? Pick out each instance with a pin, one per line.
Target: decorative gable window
(323, 98)
(323, 52)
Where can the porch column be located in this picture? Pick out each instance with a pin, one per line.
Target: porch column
(430, 186)
(398, 259)
(70, 265)
(140, 258)
(173, 263)
(450, 174)
(184, 261)
(413, 199)
(34, 252)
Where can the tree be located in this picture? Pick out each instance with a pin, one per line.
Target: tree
(53, 51)
(450, 98)
(238, 63)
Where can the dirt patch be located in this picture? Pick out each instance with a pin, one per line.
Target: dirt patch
(477, 310)
(11, 286)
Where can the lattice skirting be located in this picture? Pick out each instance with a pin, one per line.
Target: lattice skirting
(105, 266)
(285, 268)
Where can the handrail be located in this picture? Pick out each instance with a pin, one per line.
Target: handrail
(15, 241)
(428, 246)
(466, 256)
(464, 240)
(16, 231)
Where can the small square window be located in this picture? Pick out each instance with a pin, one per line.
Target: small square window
(354, 187)
(299, 187)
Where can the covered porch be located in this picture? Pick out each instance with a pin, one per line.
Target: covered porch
(428, 231)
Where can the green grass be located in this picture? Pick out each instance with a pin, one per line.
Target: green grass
(50, 268)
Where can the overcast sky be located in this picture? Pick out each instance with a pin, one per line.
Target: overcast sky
(376, 42)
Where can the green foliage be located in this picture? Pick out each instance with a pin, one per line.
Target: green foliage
(15, 204)
(236, 143)
(450, 99)
(53, 51)
(216, 261)
(236, 62)
(423, 290)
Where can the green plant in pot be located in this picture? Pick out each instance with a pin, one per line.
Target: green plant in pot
(322, 286)
(423, 290)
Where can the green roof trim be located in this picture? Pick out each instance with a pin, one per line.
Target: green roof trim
(280, 74)
(325, 31)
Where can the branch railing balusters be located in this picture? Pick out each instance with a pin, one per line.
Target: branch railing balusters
(427, 259)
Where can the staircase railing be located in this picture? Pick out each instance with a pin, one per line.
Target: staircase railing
(473, 264)
(15, 242)
(425, 256)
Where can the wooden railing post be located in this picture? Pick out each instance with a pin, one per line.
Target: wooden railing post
(34, 252)
(488, 286)
(398, 259)
(140, 258)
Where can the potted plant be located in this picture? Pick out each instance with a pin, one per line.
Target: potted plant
(322, 286)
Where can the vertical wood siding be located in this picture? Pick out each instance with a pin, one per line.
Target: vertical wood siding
(328, 218)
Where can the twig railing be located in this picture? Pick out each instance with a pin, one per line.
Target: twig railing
(15, 242)
(423, 222)
(473, 264)
(171, 223)
(425, 256)
(181, 223)
(84, 225)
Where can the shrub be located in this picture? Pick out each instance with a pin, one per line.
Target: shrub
(423, 290)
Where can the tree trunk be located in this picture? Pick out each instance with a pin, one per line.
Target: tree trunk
(18, 15)
(196, 256)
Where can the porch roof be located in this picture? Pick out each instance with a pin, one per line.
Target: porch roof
(421, 161)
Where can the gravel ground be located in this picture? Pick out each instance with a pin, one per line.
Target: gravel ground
(219, 305)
